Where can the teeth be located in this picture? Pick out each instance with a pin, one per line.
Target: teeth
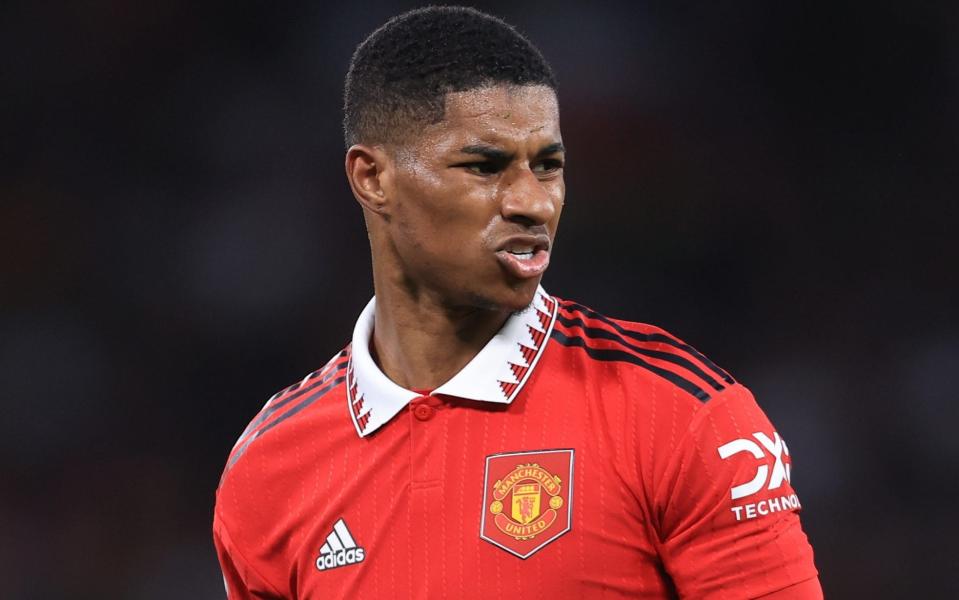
(523, 255)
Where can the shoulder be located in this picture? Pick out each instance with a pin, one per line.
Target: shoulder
(267, 468)
(660, 397)
(294, 402)
(651, 356)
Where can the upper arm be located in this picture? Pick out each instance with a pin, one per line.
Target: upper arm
(728, 515)
(241, 579)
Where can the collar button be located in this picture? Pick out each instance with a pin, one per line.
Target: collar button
(423, 412)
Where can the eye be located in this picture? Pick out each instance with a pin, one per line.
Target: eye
(549, 165)
(485, 167)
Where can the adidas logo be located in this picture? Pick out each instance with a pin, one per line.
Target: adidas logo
(340, 549)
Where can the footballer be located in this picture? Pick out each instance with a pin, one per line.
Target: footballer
(480, 437)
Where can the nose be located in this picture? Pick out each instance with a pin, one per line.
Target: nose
(527, 200)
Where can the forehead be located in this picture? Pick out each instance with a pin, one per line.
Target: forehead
(500, 115)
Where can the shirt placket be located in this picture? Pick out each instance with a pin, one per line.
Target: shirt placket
(429, 510)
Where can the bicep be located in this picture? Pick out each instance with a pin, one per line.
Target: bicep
(730, 518)
(241, 581)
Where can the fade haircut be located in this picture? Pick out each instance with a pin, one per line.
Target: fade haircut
(400, 75)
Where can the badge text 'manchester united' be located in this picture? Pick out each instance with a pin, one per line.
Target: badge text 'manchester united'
(528, 505)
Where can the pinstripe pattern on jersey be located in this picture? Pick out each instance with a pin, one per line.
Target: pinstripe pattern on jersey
(314, 386)
(283, 417)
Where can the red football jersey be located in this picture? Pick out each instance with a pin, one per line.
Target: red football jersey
(576, 456)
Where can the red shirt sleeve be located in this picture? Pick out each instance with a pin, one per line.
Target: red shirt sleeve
(242, 582)
(727, 511)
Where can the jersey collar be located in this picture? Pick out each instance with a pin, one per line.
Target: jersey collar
(496, 374)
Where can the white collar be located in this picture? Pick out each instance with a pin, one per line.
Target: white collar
(496, 374)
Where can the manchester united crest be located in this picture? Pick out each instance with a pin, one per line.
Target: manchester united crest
(527, 499)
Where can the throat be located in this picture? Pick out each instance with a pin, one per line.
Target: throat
(422, 352)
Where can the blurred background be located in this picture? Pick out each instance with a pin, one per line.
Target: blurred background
(774, 182)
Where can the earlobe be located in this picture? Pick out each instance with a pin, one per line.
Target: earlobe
(367, 170)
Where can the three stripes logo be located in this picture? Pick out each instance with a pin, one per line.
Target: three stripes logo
(647, 347)
(340, 549)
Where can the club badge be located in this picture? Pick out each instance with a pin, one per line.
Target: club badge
(527, 499)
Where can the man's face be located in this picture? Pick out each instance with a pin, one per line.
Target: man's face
(476, 198)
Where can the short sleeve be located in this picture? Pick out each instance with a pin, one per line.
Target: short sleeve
(728, 514)
(240, 580)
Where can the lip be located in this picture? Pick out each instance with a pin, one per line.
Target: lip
(524, 268)
(527, 240)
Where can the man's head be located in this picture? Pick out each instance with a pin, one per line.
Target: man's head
(401, 73)
(456, 156)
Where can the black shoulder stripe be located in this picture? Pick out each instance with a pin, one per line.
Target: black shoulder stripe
(272, 408)
(623, 356)
(605, 334)
(651, 337)
(302, 405)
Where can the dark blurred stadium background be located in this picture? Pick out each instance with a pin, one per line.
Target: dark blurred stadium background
(774, 182)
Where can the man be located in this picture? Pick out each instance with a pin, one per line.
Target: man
(480, 438)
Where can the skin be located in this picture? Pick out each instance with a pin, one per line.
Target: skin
(439, 207)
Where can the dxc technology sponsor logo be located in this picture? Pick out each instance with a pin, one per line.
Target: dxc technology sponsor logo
(764, 478)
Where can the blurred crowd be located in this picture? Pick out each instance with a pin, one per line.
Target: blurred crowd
(776, 183)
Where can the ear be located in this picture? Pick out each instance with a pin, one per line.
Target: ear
(369, 169)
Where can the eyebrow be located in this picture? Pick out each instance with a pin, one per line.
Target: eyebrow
(496, 154)
(551, 149)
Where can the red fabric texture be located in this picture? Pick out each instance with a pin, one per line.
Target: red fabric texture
(652, 513)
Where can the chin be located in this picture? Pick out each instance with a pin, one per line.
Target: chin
(512, 297)
(524, 296)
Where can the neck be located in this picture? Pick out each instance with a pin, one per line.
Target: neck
(420, 341)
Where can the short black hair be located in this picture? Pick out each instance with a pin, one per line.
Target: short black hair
(400, 75)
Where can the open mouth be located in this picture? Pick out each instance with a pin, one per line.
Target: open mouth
(525, 260)
(522, 254)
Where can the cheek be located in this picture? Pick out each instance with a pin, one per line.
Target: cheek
(489, 234)
(420, 204)
(445, 218)
(559, 200)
